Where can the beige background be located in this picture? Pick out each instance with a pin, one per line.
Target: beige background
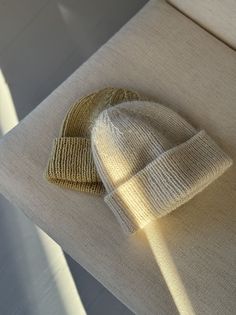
(183, 263)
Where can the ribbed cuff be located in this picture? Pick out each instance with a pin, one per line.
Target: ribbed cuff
(168, 182)
(71, 165)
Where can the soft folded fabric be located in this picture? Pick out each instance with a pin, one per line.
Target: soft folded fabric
(71, 163)
(151, 161)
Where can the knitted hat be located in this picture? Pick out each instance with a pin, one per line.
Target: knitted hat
(71, 164)
(151, 161)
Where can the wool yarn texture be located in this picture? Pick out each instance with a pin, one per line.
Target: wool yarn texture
(151, 161)
(71, 163)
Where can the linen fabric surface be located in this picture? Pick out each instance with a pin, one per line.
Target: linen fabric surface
(182, 263)
(217, 16)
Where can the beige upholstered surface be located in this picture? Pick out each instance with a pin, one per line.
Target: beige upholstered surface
(217, 16)
(185, 262)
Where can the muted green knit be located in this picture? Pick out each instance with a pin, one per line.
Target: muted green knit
(71, 163)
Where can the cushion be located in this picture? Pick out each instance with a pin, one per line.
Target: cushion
(185, 262)
(217, 16)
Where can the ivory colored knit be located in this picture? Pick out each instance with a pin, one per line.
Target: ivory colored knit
(151, 161)
(71, 163)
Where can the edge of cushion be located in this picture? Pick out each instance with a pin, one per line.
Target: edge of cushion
(215, 17)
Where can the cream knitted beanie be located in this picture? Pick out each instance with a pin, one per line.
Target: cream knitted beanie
(151, 161)
(71, 163)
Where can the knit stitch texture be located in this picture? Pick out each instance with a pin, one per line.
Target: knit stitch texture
(71, 163)
(151, 161)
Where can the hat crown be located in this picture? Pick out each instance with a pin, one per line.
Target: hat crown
(130, 135)
(71, 163)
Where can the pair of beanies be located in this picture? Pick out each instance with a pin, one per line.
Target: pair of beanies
(146, 157)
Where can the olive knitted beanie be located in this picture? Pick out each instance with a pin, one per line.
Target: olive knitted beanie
(71, 164)
(151, 161)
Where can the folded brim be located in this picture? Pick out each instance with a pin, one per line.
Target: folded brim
(71, 166)
(168, 182)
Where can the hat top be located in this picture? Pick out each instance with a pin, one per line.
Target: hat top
(132, 134)
(82, 115)
(71, 163)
